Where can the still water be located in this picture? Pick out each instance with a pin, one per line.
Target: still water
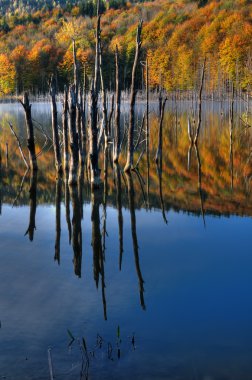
(149, 278)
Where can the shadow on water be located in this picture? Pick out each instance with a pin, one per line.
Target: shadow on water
(131, 197)
(33, 205)
(201, 180)
(98, 256)
(58, 199)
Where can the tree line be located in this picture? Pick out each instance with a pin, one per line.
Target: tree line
(176, 38)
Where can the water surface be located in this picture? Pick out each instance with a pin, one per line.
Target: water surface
(153, 271)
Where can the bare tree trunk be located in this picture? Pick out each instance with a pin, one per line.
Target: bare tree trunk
(130, 148)
(65, 128)
(97, 37)
(83, 115)
(30, 132)
(93, 139)
(160, 133)
(117, 141)
(147, 113)
(200, 102)
(231, 128)
(76, 79)
(79, 128)
(74, 145)
(93, 112)
(104, 124)
(55, 132)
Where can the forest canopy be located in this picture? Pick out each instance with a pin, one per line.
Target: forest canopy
(36, 41)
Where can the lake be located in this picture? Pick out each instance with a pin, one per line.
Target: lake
(148, 278)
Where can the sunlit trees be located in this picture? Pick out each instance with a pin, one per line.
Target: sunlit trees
(7, 76)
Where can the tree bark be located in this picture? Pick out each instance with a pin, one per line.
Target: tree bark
(65, 129)
(93, 139)
(55, 132)
(117, 143)
(130, 148)
(200, 102)
(30, 132)
(160, 133)
(74, 144)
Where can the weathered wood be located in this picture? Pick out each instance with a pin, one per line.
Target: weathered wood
(117, 139)
(200, 102)
(104, 124)
(65, 129)
(160, 133)
(75, 66)
(111, 115)
(83, 115)
(147, 143)
(19, 146)
(231, 129)
(55, 131)
(30, 131)
(97, 47)
(74, 144)
(130, 146)
(79, 126)
(93, 139)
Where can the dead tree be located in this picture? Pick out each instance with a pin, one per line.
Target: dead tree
(93, 138)
(83, 108)
(65, 128)
(117, 138)
(93, 113)
(79, 126)
(200, 102)
(74, 145)
(147, 113)
(231, 130)
(75, 66)
(55, 131)
(30, 131)
(160, 133)
(104, 123)
(19, 146)
(130, 148)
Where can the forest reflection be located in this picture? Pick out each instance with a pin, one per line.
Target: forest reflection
(212, 177)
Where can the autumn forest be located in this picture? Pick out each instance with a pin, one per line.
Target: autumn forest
(36, 41)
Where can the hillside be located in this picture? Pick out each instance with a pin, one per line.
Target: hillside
(177, 35)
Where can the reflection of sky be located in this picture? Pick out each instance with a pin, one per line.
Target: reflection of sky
(198, 287)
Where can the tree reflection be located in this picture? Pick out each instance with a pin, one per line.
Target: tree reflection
(118, 183)
(76, 230)
(58, 220)
(131, 197)
(33, 205)
(98, 258)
